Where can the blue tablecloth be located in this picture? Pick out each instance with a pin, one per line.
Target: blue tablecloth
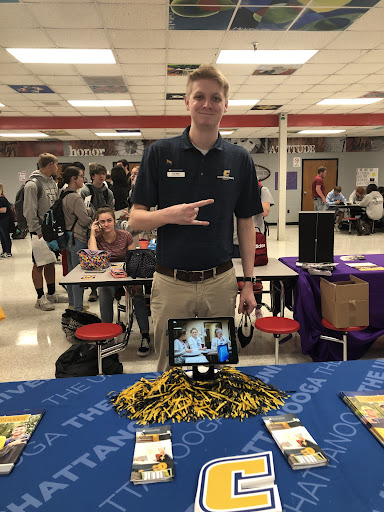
(307, 310)
(79, 458)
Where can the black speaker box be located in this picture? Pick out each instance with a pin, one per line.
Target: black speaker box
(316, 237)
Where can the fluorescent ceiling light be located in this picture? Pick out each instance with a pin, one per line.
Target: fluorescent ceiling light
(62, 56)
(265, 56)
(321, 131)
(355, 101)
(115, 134)
(1, 105)
(101, 103)
(242, 102)
(226, 132)
(23, 135)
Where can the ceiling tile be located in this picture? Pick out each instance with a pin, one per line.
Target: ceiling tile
(138, 38)
(66, 15)
(371, 56)
(71, 89)
(142, 70)
(75, 38)
(20, 80)
(51, 69)
(17, 16)
(336, 56)
(311, 40)
(145, 80)
(372, 20)
(147, 89)
(243, 39)
(13, 68)
(349, 40)
(318, 69)
(53, 80)
(142, 56)
(191, 56)
(98, 69)
(139, 16)
(340, 79)
(354, 69)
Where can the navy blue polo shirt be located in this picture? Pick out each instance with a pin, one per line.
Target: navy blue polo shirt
(172, 172)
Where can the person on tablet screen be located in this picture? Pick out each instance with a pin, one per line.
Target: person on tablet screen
(220, 339)
(181, 348)
(197, 181)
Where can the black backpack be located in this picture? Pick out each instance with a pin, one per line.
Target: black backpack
(80, 360)
(53, 228)
(19, 203)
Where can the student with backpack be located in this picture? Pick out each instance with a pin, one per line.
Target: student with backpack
(77, 221)
(39, 194)
(96, 195)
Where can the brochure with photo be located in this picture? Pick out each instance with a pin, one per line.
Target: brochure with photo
(15, 432)
(369, 408)
(202, 341)
(295, 442)
(153, 458)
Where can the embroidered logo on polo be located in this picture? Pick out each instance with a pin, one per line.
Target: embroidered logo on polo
(236, 484)
(226, 175)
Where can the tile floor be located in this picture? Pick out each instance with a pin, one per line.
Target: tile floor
(31, 340)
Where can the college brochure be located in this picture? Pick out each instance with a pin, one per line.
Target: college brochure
(15, 432)
(295, 442)
(369, 408)
(152, 458)
(353, 257)
(365, 266)
(242, 482)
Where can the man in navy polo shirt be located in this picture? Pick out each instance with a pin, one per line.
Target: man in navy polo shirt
(197, 181)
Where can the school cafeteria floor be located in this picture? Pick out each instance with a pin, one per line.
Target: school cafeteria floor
(31, 340)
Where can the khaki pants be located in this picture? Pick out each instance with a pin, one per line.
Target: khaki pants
(172, 298)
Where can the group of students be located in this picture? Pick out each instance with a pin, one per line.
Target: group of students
(370, 198)
(90, 219)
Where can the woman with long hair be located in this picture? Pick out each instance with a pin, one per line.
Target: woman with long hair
(105, 236)
(5, 222)
(77, 220)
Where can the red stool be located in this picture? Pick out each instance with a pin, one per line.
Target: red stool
(344, 330)
(99, 333)
(278, 325)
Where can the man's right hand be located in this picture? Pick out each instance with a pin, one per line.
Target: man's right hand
(185, 214)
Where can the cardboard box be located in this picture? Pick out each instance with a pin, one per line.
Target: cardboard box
(345, 303)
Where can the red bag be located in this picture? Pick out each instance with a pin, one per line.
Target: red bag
(261, 255)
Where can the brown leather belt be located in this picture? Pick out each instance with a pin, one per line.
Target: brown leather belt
(193, 275)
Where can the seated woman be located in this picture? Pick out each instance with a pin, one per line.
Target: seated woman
(105, 236)
(220, 340)
(181, 348)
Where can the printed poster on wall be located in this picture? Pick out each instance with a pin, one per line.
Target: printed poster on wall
(365, 176)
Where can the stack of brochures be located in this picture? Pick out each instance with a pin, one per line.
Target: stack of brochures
(353, 257)
(295, 442)
(369, 408)
(153, 458)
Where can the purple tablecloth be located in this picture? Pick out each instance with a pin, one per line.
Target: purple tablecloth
(307, 310)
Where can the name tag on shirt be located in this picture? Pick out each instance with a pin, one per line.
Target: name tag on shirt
(176, 173)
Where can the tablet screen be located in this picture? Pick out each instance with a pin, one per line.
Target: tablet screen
(202, 341)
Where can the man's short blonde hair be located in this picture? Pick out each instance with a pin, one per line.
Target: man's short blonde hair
(46, 159)
(208, 72)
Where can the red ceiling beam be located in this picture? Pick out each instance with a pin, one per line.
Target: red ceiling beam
(228, 121)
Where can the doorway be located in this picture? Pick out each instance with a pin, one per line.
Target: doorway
(309, 173)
